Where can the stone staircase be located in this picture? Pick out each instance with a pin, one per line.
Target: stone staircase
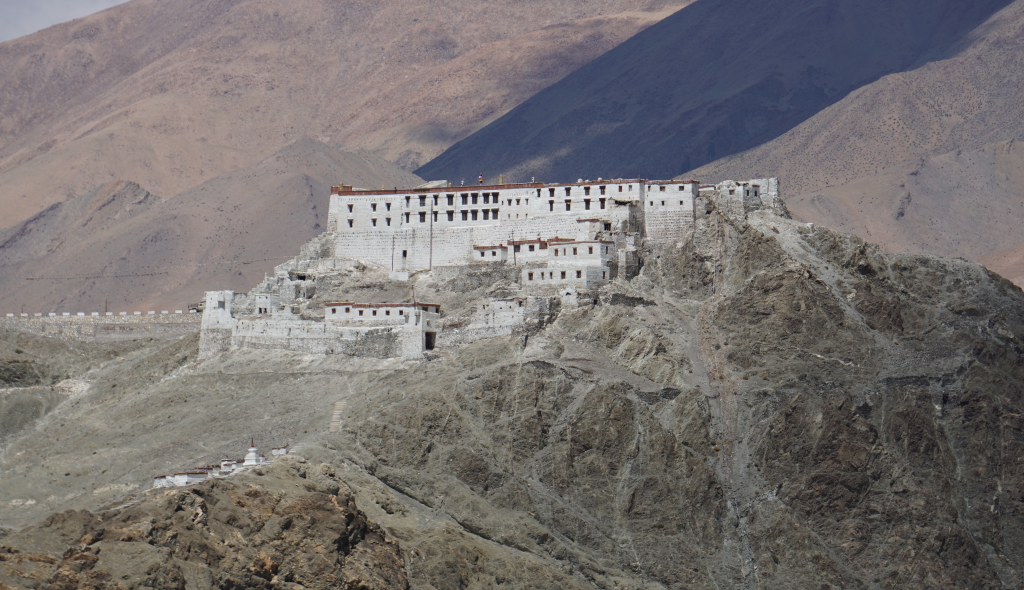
(339, 409)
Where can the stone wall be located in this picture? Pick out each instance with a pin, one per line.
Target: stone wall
(106, 328)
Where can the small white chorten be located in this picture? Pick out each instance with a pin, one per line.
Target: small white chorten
(252, 457)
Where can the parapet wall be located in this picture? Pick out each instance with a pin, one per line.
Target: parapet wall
(106, 328)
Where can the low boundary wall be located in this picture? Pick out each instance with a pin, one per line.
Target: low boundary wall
(105, 328)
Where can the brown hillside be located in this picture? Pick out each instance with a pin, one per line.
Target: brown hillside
(171, 94)
(120, 246)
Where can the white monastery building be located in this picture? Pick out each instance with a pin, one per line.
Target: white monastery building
(566, 237)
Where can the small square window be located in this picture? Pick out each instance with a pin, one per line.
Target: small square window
(481, 255)
(590, 249)
(334, 310)
(529, 276)
(579, 274)
(401, 312)
(494, 253)
(375, 312)
(387, 312)
(360, 312)
(531, 247)
(574, 252)
(563, 274)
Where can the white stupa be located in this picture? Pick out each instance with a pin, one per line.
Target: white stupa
(252, 457)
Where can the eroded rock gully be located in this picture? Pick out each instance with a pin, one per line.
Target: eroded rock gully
(768, 405)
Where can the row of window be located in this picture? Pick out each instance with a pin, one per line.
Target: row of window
(562, 275)
(662, 188)
(467, 215)
(586, 204)
(334, 310)
(663, 203)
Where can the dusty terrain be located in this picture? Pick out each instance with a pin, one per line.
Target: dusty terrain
(768, 405)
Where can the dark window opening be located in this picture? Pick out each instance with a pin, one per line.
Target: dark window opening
(430, 338)
(579, 274)
(494, 213)
(475, 196)
(407, 217)
(465, 215)
(568, 191)
(435, 215)
(405, 253)
(373, 222)
(350, 223)
(607, 227)
(387, 206)
(516, 248)
(586, 204)
(590, 249)
(407, 198)
(602, 189)
(481, 255)
(465, 198)
(487, 214)
(551, 205)
(568, 205)
(350, 207)
(373, 206)
(435, 200)
(662, 188)
(487, 198)
(602, 205)
(360, 312)
(423, 216)
(551, 192)
(451, 200)
(451, 216)
(531, 247)
(334, 310)
(423, 201)
(473, 214)
(563, 274)
(574, 253)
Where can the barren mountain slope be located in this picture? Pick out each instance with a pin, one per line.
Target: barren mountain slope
(170, 94)
(121, 246)
(714, 79)
(1009, 263)
(767, 405)
(920, 161)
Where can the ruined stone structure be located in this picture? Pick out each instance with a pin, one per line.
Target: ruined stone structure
(567, 239)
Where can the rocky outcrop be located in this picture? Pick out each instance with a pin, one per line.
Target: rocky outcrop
(290, 526)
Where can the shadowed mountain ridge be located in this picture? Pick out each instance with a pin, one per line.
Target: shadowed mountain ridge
(716, 78)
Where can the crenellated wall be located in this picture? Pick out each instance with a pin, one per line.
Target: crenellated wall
(95, 327)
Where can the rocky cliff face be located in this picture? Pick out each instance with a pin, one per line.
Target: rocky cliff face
(769, 404)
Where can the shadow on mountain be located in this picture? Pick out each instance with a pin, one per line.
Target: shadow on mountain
(714, 79)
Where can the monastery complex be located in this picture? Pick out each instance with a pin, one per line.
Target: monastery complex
(557, 241)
